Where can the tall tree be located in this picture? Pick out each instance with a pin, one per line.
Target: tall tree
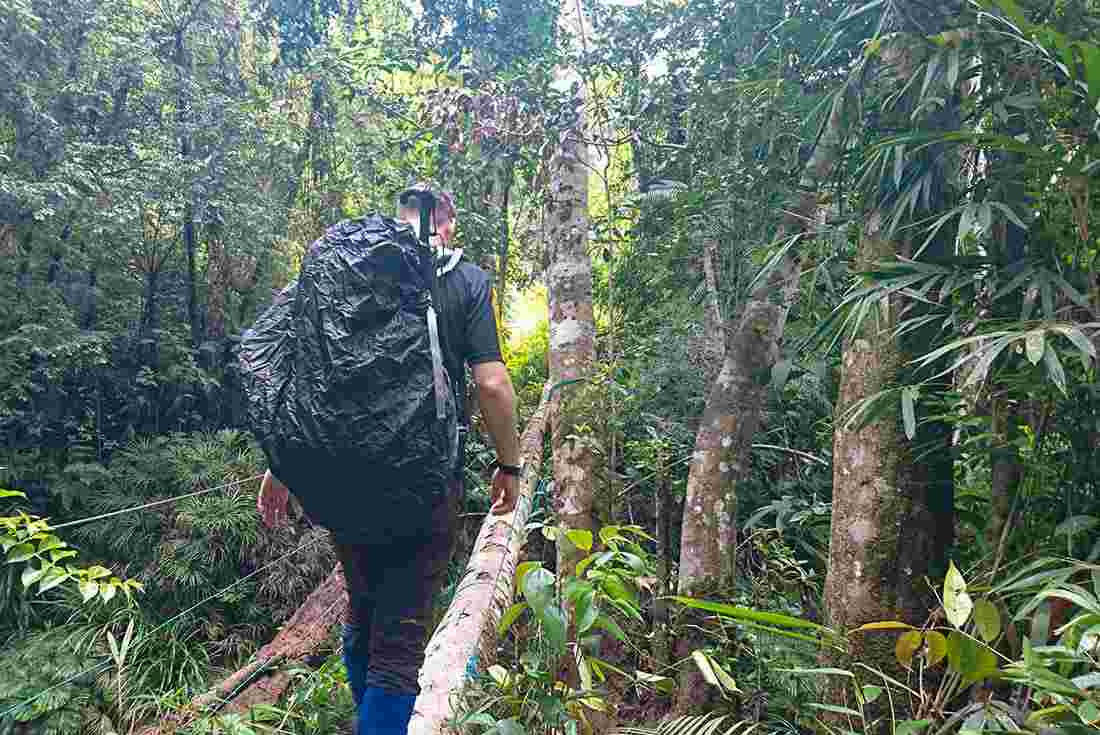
(572, 325)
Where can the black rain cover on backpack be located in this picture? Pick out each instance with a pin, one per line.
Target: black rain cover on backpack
(342, 382)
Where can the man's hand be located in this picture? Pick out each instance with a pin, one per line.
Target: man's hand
(505, 493)
(272, 500)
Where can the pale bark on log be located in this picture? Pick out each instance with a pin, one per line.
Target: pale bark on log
(466, 637)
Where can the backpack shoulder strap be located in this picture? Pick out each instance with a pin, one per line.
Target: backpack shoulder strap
(453, 257)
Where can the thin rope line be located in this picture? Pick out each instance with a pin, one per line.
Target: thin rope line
(153, 504)
(107, 664)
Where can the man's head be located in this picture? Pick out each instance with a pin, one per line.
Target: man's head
(444, 214)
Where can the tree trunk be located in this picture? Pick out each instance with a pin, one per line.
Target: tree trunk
(504, 246)
(217, 289)
(663, 513)
(183, 68)
(872, 573)
(466, 637)
(732, 414)
(150, 314)
(572, 332)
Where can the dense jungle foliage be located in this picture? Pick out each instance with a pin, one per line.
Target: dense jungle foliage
(838, 430)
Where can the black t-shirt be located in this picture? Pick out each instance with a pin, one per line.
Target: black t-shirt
(468, 322)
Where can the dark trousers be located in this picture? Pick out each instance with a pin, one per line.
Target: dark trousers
(392, 586)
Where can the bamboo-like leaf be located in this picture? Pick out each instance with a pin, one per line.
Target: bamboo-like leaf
(884, 625)
(908, 410)
(1055, 370)
(744, 613)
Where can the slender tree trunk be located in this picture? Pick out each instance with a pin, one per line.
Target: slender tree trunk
(663, 514)
(732, 415)
(504, 246)
(150, 315)
(572, 332)
(183, 69)
(217, 289)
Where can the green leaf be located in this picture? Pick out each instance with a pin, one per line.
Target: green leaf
(107, 592)
(1055, 370)
(937, 646)
(12, 494)
(908, 410)
(1090, 59)
(871, 693)
(20, 552)
(744, 613)
(835, 709)
(956, 602)
(499, 674)
(1036, 343)
(907, 645)
(88, 590)
(970, 658)
(911, 727)
(49, 542)
(53, 577)
(538, 588)
(510, 616)
(98, 572)
(586, 611)
(605, 623)
(988, 619)
(581, 538)
(31, 575)
(552, 620)
(662, 684)
(884, 625)
(57, 555)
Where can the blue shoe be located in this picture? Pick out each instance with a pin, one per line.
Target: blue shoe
(356, 658)
(383, 712)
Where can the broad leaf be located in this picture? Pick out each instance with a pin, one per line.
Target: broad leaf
(907, 645)
(988, 619)
(510, 616)
(956, 602)
(937, 646)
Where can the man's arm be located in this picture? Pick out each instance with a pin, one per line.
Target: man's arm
(498, 407)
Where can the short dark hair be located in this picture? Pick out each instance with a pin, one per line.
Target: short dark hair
(444, 202)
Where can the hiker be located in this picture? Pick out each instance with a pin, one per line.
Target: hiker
(392, 580)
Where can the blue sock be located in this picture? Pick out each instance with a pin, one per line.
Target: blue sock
(356, 658)
(383, 712)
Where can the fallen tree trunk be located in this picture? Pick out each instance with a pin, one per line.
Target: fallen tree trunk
(466, 637)
(300, 636)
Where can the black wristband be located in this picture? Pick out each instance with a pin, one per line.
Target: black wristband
(509, 469)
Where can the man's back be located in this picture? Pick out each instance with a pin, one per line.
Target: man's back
(468, 321)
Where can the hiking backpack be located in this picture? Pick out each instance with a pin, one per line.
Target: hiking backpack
(346, 387)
